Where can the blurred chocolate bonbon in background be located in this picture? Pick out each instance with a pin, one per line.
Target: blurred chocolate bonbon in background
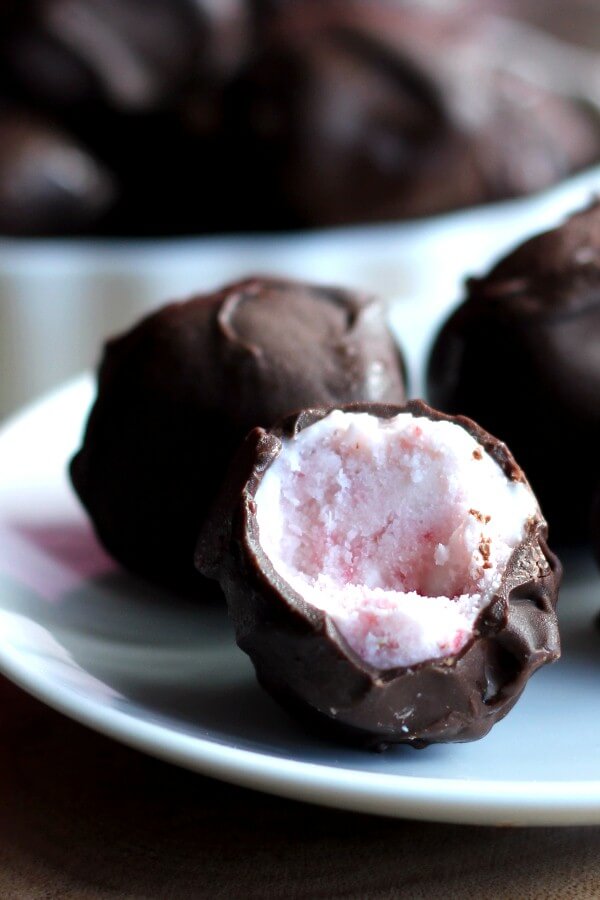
(197, 117)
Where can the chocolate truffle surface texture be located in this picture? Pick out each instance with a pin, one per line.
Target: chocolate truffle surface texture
(179, 392)
(130, 54)
(372, 111)
(48, 182)
(521, 355)
(279, 114)
(373, 598)
(141, 82)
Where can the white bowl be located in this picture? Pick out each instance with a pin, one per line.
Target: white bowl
(60, 298)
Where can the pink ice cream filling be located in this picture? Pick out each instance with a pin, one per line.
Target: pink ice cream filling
(399, 529)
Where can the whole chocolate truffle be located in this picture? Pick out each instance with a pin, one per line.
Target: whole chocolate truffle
(521, 356)
(387, 571)
(48, 182)
(177, 394)
(368, 111)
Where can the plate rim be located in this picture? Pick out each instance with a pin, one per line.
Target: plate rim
(460, 800)
(453, 800)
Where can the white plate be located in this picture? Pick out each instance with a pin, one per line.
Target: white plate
(166, 677)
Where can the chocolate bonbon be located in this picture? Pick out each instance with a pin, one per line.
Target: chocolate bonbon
(179, 391)
(264, 115)
(132, 55)
(48, 182)
(520, 355)
(387, 571)
(372, 111)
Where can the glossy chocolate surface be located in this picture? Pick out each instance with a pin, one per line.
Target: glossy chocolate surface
(302, 660)
(235, 115)
(139, 83)
(521, 355)
(375, 111)
(131, 55)
(178, 393)
(48, 181)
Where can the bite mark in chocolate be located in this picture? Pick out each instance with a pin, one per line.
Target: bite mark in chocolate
(397, 605)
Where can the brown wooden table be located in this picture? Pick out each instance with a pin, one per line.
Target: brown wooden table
(83, 817)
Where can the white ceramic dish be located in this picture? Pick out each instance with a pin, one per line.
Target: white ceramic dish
(58, 298)
(165, 676)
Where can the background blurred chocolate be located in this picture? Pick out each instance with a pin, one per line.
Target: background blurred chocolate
(131, 54)
(521, 356)
(595, 531)
(47, 181)
(141, 83)
(268, 114)
(375, 111)
(574, 21)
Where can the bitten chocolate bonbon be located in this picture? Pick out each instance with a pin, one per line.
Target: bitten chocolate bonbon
(387, 571)
(179, 391)
(521, 357)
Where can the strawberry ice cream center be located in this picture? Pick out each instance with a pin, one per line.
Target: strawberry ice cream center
(398, 529)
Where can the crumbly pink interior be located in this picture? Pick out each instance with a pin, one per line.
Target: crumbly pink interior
(399, 529)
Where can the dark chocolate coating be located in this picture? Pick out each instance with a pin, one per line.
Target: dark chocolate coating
(521, 355)
(131, 54)
(178, 393)
(595, 526)
(235, 115)
(48, 182)
(141, 82)
(372, 111)
(304, 662)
